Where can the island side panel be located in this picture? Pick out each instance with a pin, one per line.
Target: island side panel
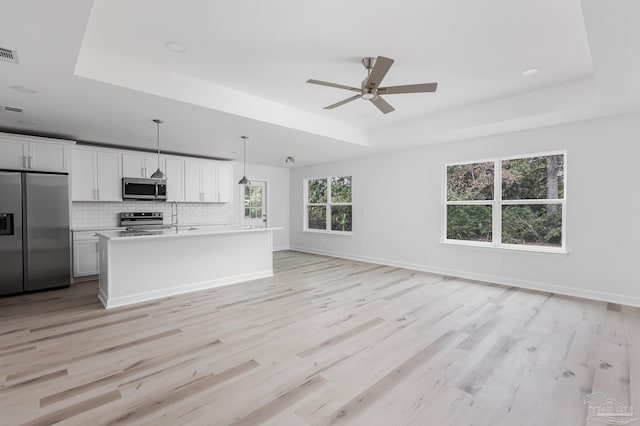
(103, 263)
(149, 268)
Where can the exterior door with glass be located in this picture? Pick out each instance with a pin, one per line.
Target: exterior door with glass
(255, 204)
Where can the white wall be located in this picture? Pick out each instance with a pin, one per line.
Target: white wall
(277, 179)
(397, 201)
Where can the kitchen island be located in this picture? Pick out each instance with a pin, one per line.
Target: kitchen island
(141, 266)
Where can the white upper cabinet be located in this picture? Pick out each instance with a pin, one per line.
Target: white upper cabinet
(174, 170)
(37, 154)
(96, 175)
(14, 154)
(140, 165)
(209, 185)
(225, 182)
(109, 176)
(192, 182)
(208, 181)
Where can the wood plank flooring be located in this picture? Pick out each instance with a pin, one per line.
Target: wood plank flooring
(325, 341)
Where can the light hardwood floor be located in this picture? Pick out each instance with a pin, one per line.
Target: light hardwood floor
(325, 341)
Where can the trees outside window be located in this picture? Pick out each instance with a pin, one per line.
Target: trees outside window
(507, 202)
(328, 205)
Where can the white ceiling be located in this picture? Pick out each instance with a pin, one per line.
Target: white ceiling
(102, 72)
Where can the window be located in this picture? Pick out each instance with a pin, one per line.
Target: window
(328, 204)
(507, 202)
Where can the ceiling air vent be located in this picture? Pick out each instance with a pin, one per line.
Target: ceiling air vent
(13, 109)
(8, 55)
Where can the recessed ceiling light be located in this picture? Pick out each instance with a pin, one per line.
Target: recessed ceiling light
(23, 89)
(530, 72)
(175, 47)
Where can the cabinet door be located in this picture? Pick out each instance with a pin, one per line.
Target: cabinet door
(109, 176)
(48, 157)
(85, 257)
(192, 187)
(209, 177)
(151, 165)
(14, 154)
(133, 165)
(175, 179)
(225, 183)
(83, 175)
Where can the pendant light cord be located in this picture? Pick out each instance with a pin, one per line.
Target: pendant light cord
(158, 133)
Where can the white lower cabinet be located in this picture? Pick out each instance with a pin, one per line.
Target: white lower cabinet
(85, 254)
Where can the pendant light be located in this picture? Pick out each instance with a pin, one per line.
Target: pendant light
(158, 173)
(244, 180)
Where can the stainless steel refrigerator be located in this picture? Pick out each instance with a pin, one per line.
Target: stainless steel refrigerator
(34, 232)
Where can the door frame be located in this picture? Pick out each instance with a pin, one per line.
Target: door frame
(264, 200)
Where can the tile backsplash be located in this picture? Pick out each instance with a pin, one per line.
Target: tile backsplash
(87, 215)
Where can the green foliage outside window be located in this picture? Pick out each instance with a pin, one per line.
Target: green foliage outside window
(341, 189)
(317, 191)
(471, 222)
(531, 178)
(332, 199)
(470, 182)
(341, 218)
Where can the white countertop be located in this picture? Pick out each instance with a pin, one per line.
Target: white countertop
(118, 235)
(122, 228)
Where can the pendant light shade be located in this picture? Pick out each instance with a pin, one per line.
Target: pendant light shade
(158, 173)
(244, 180)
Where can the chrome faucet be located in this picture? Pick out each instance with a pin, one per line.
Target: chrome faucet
(174, 215)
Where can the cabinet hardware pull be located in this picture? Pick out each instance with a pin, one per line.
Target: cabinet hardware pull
(24, 162)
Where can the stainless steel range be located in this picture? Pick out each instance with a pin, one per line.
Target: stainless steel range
(142, 223)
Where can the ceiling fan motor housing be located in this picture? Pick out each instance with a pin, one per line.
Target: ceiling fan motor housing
(370, 89)
(368, 62)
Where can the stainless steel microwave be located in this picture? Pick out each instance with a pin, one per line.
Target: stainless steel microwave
(144, 189)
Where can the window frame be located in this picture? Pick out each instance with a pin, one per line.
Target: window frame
(327, 205)
(497, 203)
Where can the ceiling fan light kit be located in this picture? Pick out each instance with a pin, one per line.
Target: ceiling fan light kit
(370, 89)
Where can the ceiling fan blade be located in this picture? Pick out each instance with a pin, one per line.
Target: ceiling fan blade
(338, 86)
(380, 69)
(337, 104)
(408, 88)
(382, 105)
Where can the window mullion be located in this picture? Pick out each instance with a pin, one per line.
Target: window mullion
(497, 203)
(328, 209)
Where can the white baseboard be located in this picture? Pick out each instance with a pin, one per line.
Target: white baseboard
(281, 248)
(494, 279)
(115, 302)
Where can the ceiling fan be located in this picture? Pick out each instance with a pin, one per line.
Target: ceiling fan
(370, 88)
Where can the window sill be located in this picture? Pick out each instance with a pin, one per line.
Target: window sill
(325, 232)
(508, 248)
